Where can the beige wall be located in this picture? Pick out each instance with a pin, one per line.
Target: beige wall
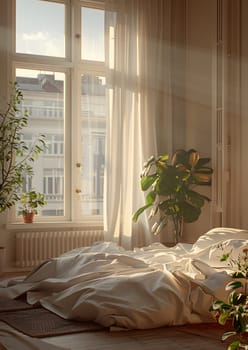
(6, 238)
(200, 76)
(193, 78)
(244, 115)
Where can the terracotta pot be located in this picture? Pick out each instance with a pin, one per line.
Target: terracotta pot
(28, 218)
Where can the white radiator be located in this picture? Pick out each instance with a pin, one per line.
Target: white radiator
(34, 247)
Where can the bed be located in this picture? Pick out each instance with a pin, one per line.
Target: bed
(145, 288)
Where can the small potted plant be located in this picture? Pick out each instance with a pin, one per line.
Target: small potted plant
(233, 313)
(172, 189)
(29, 203)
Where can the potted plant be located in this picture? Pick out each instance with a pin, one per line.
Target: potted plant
(233, 313)
(16, 157)
(172, 189)
(29, 203)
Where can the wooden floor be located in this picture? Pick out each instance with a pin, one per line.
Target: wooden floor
(201, 337)
(178, 338)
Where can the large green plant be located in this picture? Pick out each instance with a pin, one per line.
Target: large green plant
(172, 189)
(16, 157)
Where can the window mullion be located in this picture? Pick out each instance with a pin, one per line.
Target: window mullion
(67, 146)
(76, 149)
(75, 112)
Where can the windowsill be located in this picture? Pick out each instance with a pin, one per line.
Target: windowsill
(17, 226)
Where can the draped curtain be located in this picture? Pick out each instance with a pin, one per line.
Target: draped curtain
(138, 59)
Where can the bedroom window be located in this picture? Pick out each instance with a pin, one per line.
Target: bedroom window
(59, 66)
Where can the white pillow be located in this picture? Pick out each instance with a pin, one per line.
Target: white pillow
(233, 246)
(219, 234)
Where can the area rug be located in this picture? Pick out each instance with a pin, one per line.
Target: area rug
(39, 322)
(7, 304)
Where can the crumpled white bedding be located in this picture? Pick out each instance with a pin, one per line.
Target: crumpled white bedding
(144, 288)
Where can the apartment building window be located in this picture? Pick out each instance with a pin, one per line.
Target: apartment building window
(55, 144)
(53, 181)
(26, 184)
(59, 66)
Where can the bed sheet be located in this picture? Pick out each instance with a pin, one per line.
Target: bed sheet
(144, 288)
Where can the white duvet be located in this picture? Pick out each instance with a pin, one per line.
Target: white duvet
(144, 288)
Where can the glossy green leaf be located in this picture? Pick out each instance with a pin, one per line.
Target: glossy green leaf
(147, 181)
(234, 345)
(220, 305)
(190, 212)
(238, 323)
(238, 274)
(201, 162)
(140, 211)
(227, 335)
(193, 157)
(179, 157)
(234, 285)
(223, 317)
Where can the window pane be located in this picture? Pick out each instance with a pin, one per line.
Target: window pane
(93, 127)
(92, 34)
(43, 94)
(40, 28)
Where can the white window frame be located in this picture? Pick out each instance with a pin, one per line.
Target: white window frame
(73, 68)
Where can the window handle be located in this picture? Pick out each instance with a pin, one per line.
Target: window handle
(78, 190)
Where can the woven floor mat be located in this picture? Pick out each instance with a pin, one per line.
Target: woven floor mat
(39, 322)
(7, 304)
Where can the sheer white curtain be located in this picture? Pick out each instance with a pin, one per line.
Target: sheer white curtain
(139, 105)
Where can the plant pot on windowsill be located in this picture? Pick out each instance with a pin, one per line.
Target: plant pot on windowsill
(28, 218)
(29, 202)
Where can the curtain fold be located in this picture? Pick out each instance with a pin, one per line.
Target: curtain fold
(138, 60)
